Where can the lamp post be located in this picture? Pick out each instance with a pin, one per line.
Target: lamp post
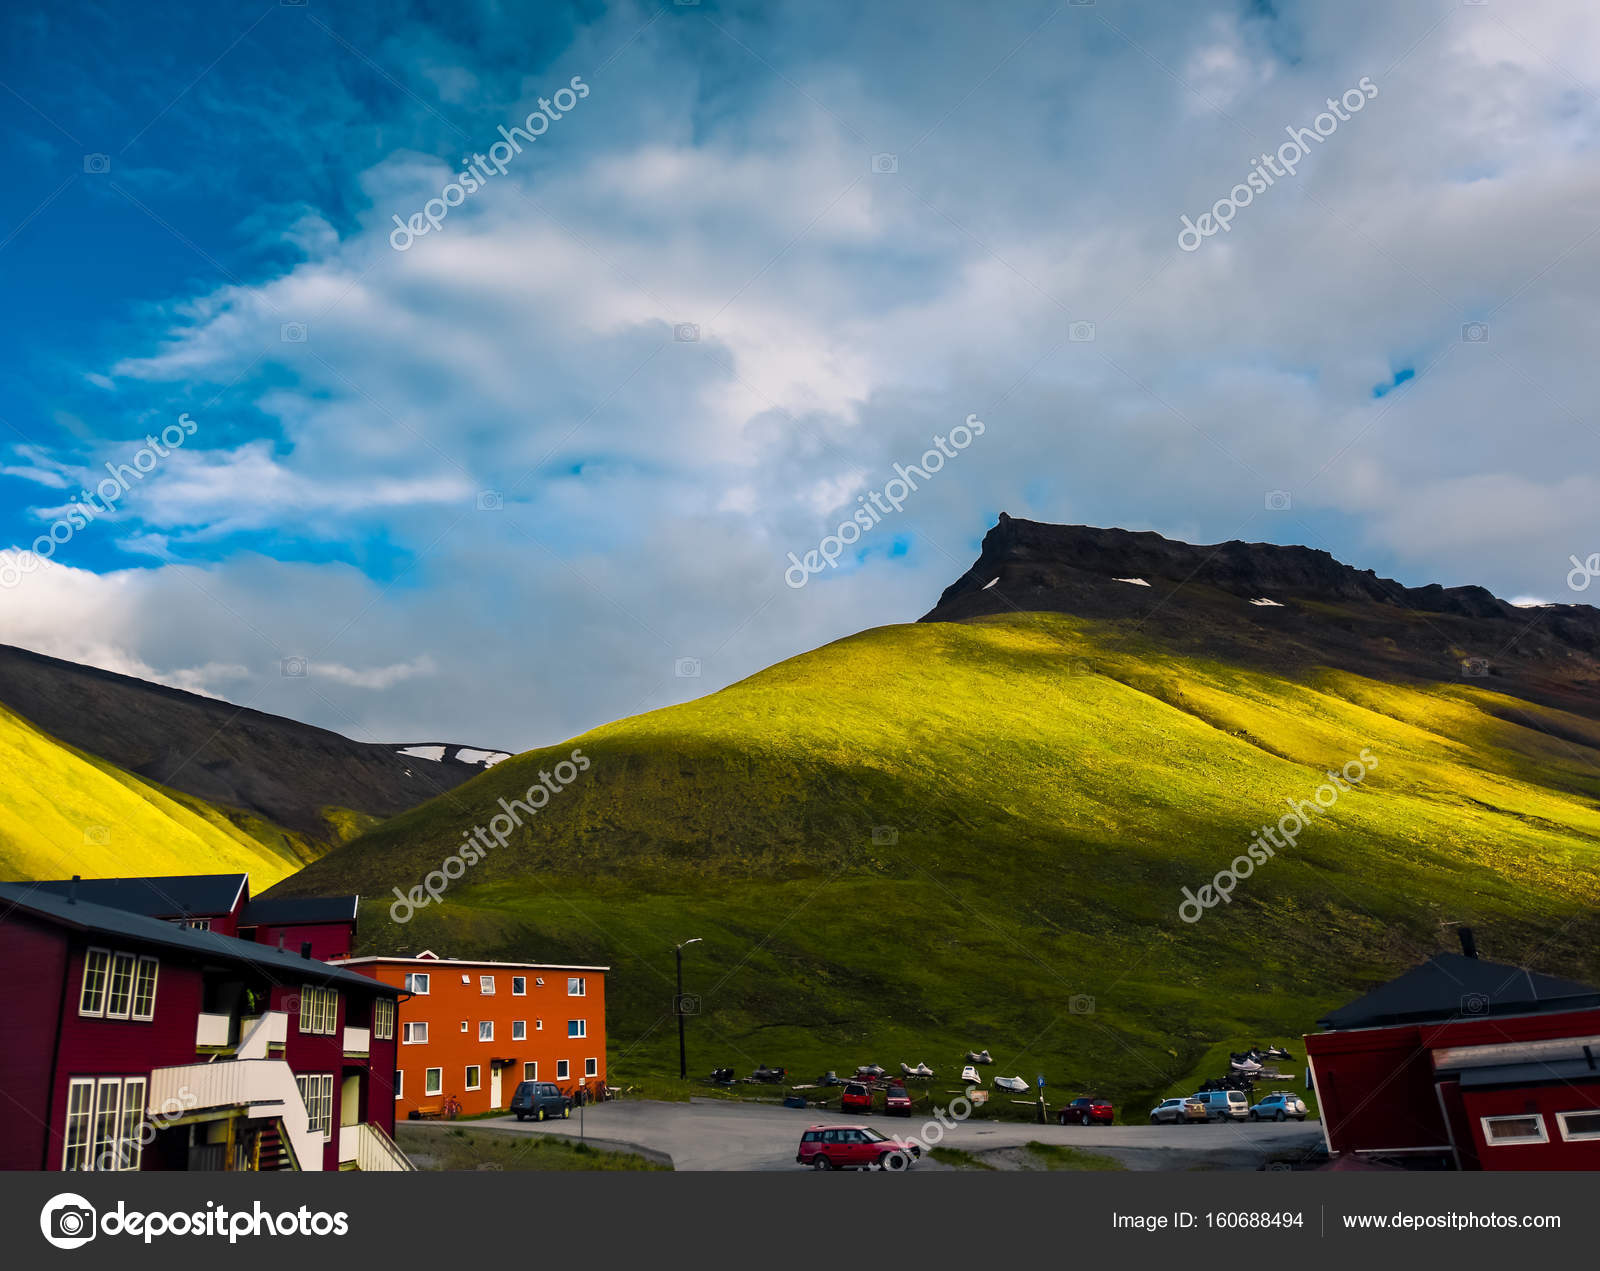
(677, 1006)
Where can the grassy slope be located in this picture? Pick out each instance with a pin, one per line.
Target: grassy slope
(1052, 784)
(64, 812)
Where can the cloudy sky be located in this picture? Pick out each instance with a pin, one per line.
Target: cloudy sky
(490, 491)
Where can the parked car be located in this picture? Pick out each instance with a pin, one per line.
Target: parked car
(897, 1101)
(857, 1097)
(1087, 1111)
(1279, 1107)
(1224, 1105)
(1183, 1111)
(825, 1147)
(540, 1100)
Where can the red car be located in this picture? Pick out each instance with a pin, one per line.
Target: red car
(897, 1101)
(1087, 1111)
(825, 1147)
(857, 1097)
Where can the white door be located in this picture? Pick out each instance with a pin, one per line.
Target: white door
(494, 1085)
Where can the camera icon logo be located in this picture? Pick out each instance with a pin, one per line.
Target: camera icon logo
(885, 836)
(1279, 501)
(1475, 332)
(68, 1221)
(885, 164)
(688, 1004)
(1475, 1004)
(1475, 668)
(293, 668)
(491, 501)
(1081, 332)
(686, 332)
(96, 835)
(1080, 1004)
(687, 668)
(98, 164)
(292, 332)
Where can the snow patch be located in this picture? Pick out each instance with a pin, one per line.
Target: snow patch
(989, 584)
(1264, 601)
(488, 758)
(1137, 582)
(435, 753)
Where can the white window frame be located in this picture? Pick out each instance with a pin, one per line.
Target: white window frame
(416, 1033)
(591, 1067)
(195, 924)
(133, 1110)
(77, 1149)
(466, 1026)
(104, 1143)
(1577, 1136)
(432, 1082)
(563, 1069)
(519, 1030)
(538, 1026)
(466, 1078)
(96, 974)
(486, 986)
(582, 1026)
(399, 1083)
(582, 982)
(418, 983)
(383, 1014)
(1536, 1117)
(149, 1011)
(131, 962)
(486, 1030)
(519, 986)
(84, 1147)
(530, 1070)
(319, 1010)
(316, 1092)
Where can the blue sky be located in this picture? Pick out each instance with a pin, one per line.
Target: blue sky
(490, 495)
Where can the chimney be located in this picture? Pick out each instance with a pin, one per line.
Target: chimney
(280, 942)
(72, 889)
(1469, 942)
(305, 949)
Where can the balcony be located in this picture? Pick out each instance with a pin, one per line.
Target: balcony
(263, 1088)
(357, 1043)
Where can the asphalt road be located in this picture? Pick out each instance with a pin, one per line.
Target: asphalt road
(716, 1134)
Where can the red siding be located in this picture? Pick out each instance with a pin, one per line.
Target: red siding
(1544, 1101)
(329, 940)
(33, 959)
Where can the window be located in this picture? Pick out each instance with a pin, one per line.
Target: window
(519, 985)
(107, 1123)
(577, 1028)
(133, 1100)
(1578, 1126)
(474, 1076)
(416, 1033)
(1499, 1131)
(577, 986)
(530, 1070)
(104, 1120)
(591, 1067)
(316, 1090)
(538, 1026)
(144, 989)
(486, 985)
(80, 1112)
(319, 1009)
(119, 996)
(519, 1030)
(563, 1070)
(432, 1080)
(195, 924)
(417, 982)
(399, 1084)
(383, 1019)
(92, 1000)
(464, 1026)
(486, 1030)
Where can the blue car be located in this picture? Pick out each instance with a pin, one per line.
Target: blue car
(1279, 1107)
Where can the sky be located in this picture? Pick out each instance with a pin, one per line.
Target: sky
(542, 464)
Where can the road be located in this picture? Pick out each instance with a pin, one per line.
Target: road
(718, 1134)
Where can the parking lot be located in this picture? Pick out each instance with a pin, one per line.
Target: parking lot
(716, 1134)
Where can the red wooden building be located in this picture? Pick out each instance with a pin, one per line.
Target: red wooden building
(131, 1042)
(1464, 1064)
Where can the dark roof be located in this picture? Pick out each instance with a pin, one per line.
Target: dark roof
(119, 924)
(178, 896)
(1451, 986)
(289, 910)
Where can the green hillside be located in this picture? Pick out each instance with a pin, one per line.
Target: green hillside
(64, 812)
(1044, 786)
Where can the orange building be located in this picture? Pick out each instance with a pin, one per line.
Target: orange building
(472, 1030)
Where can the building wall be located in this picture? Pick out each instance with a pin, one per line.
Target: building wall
(329, 940)
(30, 1004)
(449, 1002)
(1546, 1101)
(1375, 1090)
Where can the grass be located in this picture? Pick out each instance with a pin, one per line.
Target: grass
(958, 1159)
(65, 812)
(930, 838)
(457, 1149)
(1054, 1156)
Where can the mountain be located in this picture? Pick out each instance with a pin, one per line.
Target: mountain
(980, 830)
(291, 789)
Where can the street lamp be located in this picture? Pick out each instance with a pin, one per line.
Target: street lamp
(677, 1005)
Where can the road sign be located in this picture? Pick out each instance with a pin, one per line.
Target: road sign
(1041, 1081)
